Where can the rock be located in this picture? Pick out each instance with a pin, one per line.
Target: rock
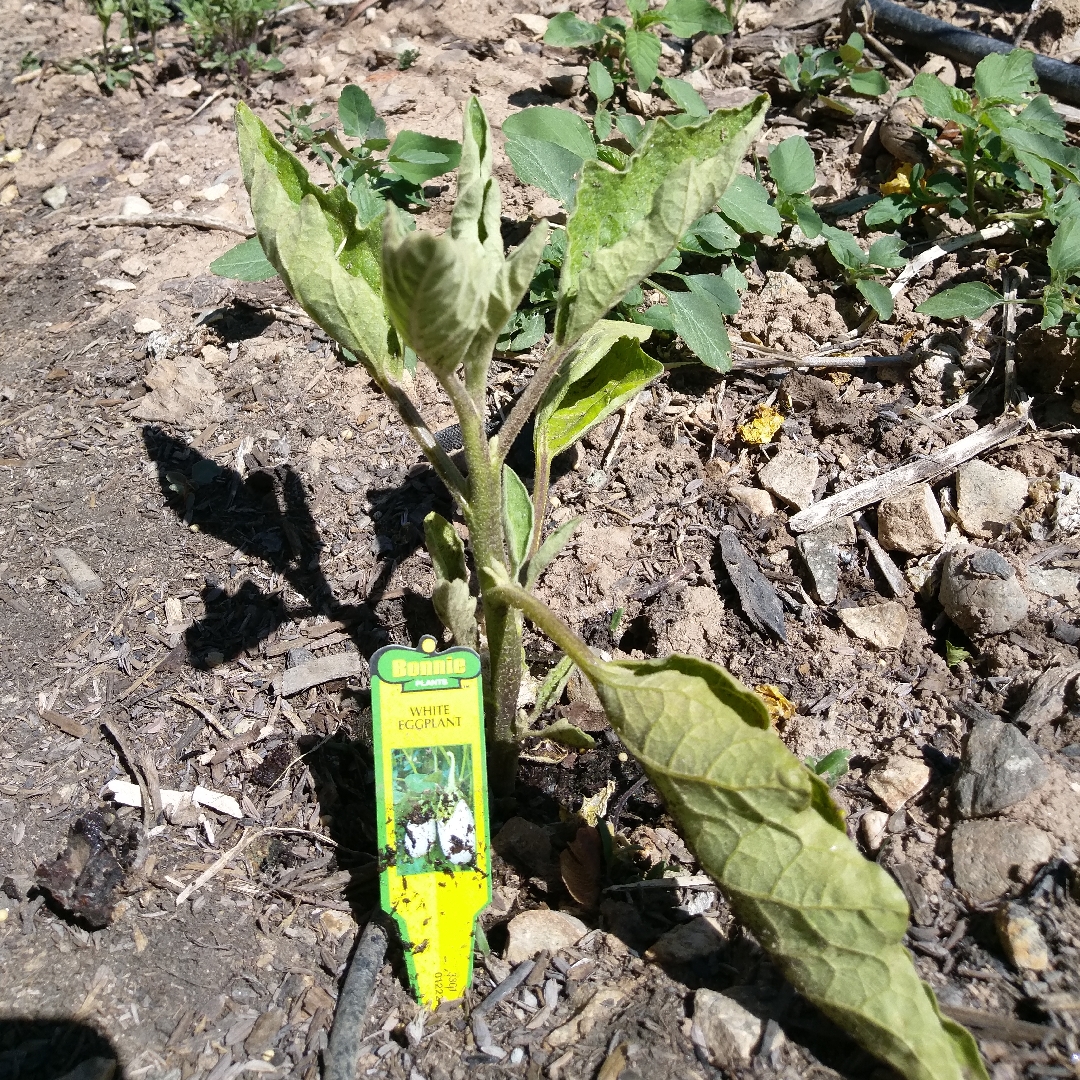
(566, 81)
(535, 24)
(728, 1033)
(181, 390)
(55, 197)
(999, 767)
(698, 938)
(980, 593)
(822, 562)
(541, 928)
(64, 149)
(337, 923)
(84, 579)
(602, 1006)
(347, 665)
(212, 194)
(791, 478)
(1021, 938)
(882, 625)
(987, 498)
(525, 843)
(146, 326)
(911, 522)
(991, 857)
(298, 657)
(9, 194)
(897, 779)
(872, 828)
(135, 206)
(756, 500)
(1063, 585)
(182, 87)
(109, 284)
(265, 1031)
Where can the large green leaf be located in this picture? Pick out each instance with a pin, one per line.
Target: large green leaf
(454, 603)
(767, 830)
(791, 165)
(944, 102)
(420, 158)
(699, 320)
(1063, 254)
(245, 262)
(747, 204)
(549, 124)
(545, 165)
(687, 18)
(643, 52)
(328, 263)
(627, 222)
(968, 301)
(877, 295)
(567, 31)
(1005, 78)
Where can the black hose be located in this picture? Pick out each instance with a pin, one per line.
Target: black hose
(913, 28)
(343, 1050)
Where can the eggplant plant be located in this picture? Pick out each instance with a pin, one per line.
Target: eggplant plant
(761, 822)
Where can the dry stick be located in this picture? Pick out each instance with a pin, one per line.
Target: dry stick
(213, 97)
(932, 254)
(932, 467)
(830, 362)
(216, 867)
(323, 4)
(887, 54)
(343, 1052)
(147, 806)
(1009, 280)
(1025, 26)
(205, 713)
(167, 220)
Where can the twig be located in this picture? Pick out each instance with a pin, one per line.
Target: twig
(830, 362)
(208, 716)
(1009, 280)
(932, 254)
(142, 678)
(617, 438)
(343, 1052)
(359, 10)
(505, 988)
(309, 4)
(167, 220)
(213, 97)
(147, 806)
(887, 54)
(932, 467)
(218, 865)
(1025, 26)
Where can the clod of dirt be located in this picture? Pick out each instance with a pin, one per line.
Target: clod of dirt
(911, 522)
(882, 625)
(100, 850)
(1021, 939)
(999, 767)
(687, 944)
(980, 593)
(791, 477)
(990, 858)
(822, 562)
(897, 780)
(525, 844)
(987, 498)
(180, 390)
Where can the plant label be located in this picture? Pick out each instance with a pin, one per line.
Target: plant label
(431, 794)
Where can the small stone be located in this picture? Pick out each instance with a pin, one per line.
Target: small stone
(987, 498)
(911, 522)
(337, 923)
(999, 768)
(298, 657)
(822, 562)
(566, 81)
(55, 197)
(84, 579)
(602, 1006)
(212, 194)
(541, 928)
(897, 779)
(977, 595)
(525, 843)
(729, 1033)
(9, 194)
(548, 209)
(1063, 585)
(536, 24)
(882, 625)
(1021, 938)
(700, 937)
(182, 87)
(146, 326)
(791, 478)
(872, 828)
(991, 857)
(65, 148)
(265, 1031)
(756, 500)
(110, 284)
(135, 206)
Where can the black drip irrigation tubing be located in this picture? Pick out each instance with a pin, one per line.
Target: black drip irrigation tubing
(935, 36)
(343, 1048)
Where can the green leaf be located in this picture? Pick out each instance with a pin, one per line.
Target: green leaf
(600, 82)
(601, 373)
(718, 288)
(944, 102)
(658, 316)
(685, 96)
(699, 320)
(517, 512)
(1040, 115)
(566, 734)
(355, 112)
(454, 603)
(891, 210)
(328, 264)
(643, 53)
(1005, 78)
(791, 165)
(1030, 144)
(870, 83)
(767, 830)
(809, 220)
(885, 252)
(549, 550)
(545, 165)
(602, 126)
(1053, 309)
(746, 204)
(967, 301)
(549, 124)
(567, 31)
(713, 230)
(631, 129)
(245, 262)
(831, 767)
(688, 18)
(845, 248)
(420, 158)
(955, 654)
(877, 295)
(626, 223)
(522, 331)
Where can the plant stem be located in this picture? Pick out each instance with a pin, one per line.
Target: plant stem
(526, 405)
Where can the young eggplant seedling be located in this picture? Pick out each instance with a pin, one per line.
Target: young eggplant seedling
(761, 823)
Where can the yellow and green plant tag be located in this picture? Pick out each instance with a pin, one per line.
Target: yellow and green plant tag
(431, 793)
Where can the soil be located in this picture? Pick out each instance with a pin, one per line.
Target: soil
(280, 506)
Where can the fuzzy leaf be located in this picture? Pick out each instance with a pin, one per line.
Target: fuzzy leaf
(1063, 254)
(517, 512)
(626, 223)
(245, 262)
(328, 264)
(643, 52)
(567, 31)
(445, 548)
(548, 124)
(545, 165)
(967, 301)
(768, 831)
(685, 96)
(566, 734)
(746, 203)
(791, 165)
(454, 603)
(355, 112)
(549, 550)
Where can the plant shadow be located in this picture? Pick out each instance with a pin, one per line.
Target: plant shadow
(50, 1049)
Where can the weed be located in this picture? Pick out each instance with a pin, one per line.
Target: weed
(761, 822)
(30, 61)
(227, 34)
(406, 58)
(817, 70)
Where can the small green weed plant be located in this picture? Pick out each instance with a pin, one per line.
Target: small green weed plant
(232, 35)
(761, 822)
(112, 67)
(818, 73)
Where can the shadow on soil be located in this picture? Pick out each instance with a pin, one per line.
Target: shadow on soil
(55, 1050)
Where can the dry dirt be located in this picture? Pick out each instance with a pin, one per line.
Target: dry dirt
(281, 507)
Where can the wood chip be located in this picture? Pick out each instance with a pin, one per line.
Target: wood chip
(760, 604)
(64, 723)
(348, 665)
(1046, 699)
